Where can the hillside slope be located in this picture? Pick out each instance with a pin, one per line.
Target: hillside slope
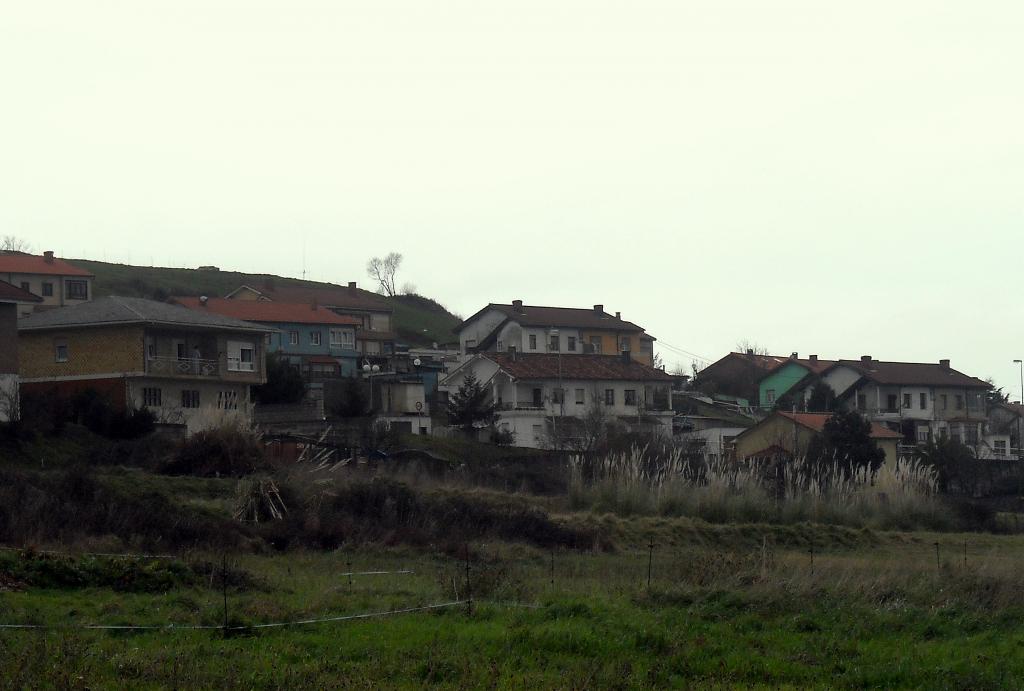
(418, 320)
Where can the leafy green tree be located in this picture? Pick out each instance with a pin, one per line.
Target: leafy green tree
(350, 399)
(822, 398)
(284, 383)
(845, 444)
(954, 463)
(469, 407)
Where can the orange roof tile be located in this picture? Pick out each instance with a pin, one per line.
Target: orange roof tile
(816, 422)
(11, 263)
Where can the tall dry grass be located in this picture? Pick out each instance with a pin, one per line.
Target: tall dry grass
(637, 482)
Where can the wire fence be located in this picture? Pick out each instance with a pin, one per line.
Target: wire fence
(449, 581)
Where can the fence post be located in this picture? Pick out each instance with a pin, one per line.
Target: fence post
(552, 567)
(812, 559)
(349, 565)
(224, 589)
(650, 562)
(965, 555)
(938, 563)
(469, 587)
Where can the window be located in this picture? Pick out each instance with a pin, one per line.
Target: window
(624, 344)
(26, 286)
(908, 401)
(343, 338)
(293, 338)
(538, 398)
(189, 398)
(769, 396)
(595, 343)
(862, 401)
(241, 356)
(922, 434)
(60, 351)
(924, 401)
(227, 400)
(152, 396)
(571, 345)
(501, 346)
(959, 402)
(630, 397)
(76, 290)
(945, 401)
(891, 403)
(536, 432)
(609, 396)
(533, 341)
(1000, 447)
(553, 346)
(47, 290)
(971, 435)
(266, 339)
(581, 396)
(314, 337)
(558, 395)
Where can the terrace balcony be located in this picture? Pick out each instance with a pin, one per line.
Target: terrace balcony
(165, 366)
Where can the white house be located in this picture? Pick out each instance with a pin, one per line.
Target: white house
(535, 392)
(501, 328)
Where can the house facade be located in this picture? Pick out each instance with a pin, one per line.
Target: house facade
(922, 401)
(763, 380)
(375, 341)
(12, 298)
(56, 282)
(536, 392)
(187, 367)
(533, 329)
(315, 340)
(791, 434)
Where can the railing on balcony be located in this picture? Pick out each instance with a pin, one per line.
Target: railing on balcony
(521, 406)
(239, 365)
(178, 367)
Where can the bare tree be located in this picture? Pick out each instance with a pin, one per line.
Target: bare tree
(12, 243)
(747, 346)
(408, 288)
(383, 271)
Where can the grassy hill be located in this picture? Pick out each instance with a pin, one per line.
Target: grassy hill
(418, 320)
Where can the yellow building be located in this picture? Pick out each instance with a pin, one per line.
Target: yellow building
(791, 433)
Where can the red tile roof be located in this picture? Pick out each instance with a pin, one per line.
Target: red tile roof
(267, 312)
(16, 263)
(772, 362)
(566, 317)
(913, 374)
(816, 422)
(342, 297)
(9, 293)
(553, 366)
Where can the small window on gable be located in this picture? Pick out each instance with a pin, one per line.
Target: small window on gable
(47, 290)
(533, 341)
(314, 338)
(60, 351)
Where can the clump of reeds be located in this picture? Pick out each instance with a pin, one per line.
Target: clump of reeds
(901, 494)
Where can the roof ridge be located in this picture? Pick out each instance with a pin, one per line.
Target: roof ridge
(120, 300)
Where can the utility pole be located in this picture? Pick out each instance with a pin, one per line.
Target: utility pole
(1020, 409)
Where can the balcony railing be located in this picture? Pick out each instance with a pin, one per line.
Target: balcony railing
(238, 365)
(178, 367)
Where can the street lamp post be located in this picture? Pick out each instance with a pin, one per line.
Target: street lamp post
(1020, 408)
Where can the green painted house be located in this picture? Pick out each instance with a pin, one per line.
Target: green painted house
(786, 376)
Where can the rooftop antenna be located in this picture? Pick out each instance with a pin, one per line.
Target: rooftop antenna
(303, 257)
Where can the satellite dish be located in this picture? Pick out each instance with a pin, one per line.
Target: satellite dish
(417, 362)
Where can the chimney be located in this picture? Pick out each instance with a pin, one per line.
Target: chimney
(599, 310)
(48, 256)
(352, 285)
(944, 364)
(517, 306)
(812, 358)
(865, 358)
(618, 315)
(750, 351)
(795, 356)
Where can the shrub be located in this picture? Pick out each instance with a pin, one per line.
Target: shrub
(217, 452)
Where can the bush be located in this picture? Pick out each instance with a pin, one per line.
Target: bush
(217, 453)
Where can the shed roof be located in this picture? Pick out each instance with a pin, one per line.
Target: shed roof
(595, 367)
(267, 311)
(12, 293)
(568, 317)
(109, 311)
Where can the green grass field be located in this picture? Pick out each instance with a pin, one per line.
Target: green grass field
(879, 615)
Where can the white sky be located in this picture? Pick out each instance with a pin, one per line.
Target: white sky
(824, 177)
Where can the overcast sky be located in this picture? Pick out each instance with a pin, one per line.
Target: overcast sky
(822, 177)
